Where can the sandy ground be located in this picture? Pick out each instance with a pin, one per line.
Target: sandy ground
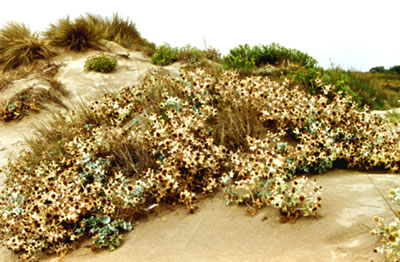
(216, 232)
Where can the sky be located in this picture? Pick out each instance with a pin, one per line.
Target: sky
(353, 34)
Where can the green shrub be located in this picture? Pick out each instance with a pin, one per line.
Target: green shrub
(241, 58)
(377, 69)
(101, 63)
(165, 55)
(245, 58)
(395, 69)
(18, 46)
(77, 35)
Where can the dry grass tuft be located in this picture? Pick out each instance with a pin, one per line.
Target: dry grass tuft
(18, 46)
(121, 31)
(75, 35)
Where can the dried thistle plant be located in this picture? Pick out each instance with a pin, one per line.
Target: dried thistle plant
(171, 140)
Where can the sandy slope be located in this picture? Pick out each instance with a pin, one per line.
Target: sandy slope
(217, 232)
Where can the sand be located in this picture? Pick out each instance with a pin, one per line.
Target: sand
(216, 232)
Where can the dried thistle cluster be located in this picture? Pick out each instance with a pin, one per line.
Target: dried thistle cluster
(389, 232)
(52, 197)
(172, 140)
(32, 98)
(18, 108)
(260, 178)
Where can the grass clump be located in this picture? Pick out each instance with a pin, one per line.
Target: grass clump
(18, 46)
(101, 63)
(74, 35)
(173, 140)
(121, 31)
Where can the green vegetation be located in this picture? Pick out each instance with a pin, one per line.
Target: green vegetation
(18, 46)
(380, 69)
(192, 56)
(101, 63)
(302, 70)
(105, 233)
(164, 55)
(247, 59)
(395, 69)
(364, 90)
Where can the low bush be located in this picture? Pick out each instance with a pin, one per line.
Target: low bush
(18, 46)
(380, 69)
(164, 55)
(248, 58)
(101, 63)
(377, 69)
(395, 69)
(79, 34)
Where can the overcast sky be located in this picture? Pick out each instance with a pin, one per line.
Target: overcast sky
(355, 34)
